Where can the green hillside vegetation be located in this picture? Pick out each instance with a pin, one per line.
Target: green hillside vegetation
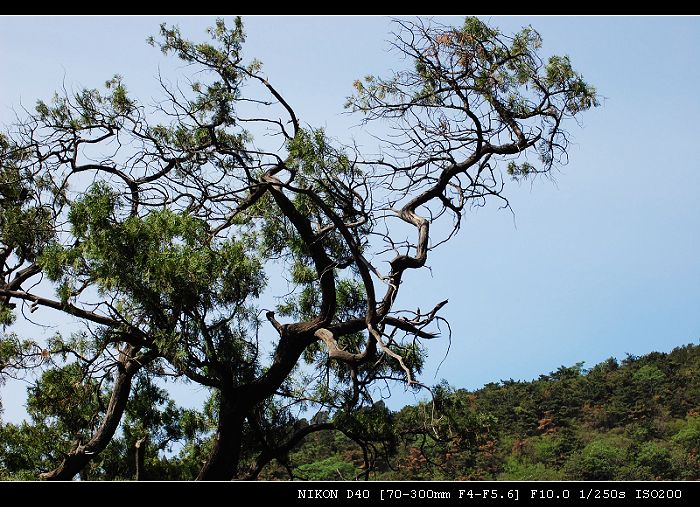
(635, 419)
(638, 418)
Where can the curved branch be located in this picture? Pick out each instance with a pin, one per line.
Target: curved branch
(57, 305)
(277, 95)
(83, 454)
(335, 352)
(323, 264)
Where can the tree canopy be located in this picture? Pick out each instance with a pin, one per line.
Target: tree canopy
(156, 225)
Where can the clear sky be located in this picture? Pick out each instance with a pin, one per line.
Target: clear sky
(602, 261)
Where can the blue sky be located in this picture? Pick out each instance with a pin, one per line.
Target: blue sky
(602, 261)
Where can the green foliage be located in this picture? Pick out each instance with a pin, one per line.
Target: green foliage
(517, 171)
(514, 470)
(64, 396)
(329, 469)
(7, 316)
(689, 436)
(478, 64)
(88, 108)
(600, 460)
(657, 458)
(163, 267)
(215, 99)
(648, 376)
(63, 406)
(27, 449)
(26, 226)
(164, 255)
(375, 423)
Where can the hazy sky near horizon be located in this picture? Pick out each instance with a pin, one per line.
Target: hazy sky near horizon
(601, 261)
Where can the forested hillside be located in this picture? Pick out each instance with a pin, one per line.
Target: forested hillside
(638, 418)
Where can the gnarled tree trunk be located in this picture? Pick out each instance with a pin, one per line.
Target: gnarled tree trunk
(222, 464)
